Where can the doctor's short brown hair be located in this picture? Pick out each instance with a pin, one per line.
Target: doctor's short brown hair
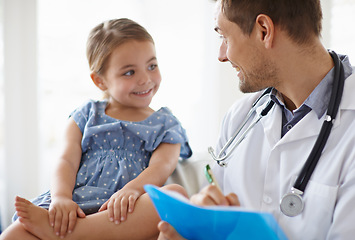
(301, 19)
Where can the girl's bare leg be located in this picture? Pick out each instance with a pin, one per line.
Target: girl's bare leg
(16, 231)
(141, 224)
(96, 226)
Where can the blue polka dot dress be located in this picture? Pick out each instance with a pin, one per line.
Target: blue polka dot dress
(115, 152)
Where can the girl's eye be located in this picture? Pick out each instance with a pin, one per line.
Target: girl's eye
(152, 67)
(129, 73)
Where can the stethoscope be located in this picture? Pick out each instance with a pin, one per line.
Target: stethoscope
(255, 109)
(292, 203)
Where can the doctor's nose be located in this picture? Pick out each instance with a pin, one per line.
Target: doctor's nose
(222, 56)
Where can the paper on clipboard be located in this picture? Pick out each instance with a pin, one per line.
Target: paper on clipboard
(196, 223)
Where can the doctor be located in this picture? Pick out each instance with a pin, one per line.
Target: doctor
(276, 43)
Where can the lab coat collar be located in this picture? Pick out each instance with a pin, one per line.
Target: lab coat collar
(272, 127)
(310, 125)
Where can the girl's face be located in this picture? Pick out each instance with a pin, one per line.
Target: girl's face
(132, 76)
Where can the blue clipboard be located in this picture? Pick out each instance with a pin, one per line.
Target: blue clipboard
(203, 223)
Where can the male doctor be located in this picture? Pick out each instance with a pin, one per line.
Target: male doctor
(276, 43)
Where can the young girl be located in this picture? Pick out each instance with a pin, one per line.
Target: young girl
(113, 147)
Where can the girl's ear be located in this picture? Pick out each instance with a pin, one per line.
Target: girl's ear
(266, 30)
(98, 81)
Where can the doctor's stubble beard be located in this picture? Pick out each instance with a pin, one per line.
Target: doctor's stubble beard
(263, 75)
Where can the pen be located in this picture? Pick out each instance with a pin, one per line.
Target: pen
(209, 175)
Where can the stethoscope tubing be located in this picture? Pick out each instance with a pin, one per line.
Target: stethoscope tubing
(223, 154)
(313, 158)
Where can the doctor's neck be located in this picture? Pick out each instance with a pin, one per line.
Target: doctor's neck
(302, 68)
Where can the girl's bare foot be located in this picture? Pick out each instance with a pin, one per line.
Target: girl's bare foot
(34, 219)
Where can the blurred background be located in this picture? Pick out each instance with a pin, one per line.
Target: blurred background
(44, 75)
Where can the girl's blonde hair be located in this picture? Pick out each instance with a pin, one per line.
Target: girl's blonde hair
(107, 36)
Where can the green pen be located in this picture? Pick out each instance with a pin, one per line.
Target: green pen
(209, 175)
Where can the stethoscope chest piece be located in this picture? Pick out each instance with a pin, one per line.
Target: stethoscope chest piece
(292, 204)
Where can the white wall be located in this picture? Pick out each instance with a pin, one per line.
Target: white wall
(20, 161)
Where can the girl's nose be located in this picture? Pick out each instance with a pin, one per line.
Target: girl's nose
(144, 79)
(222, 57)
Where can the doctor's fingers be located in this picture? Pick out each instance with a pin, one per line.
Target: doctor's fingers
(233, 199)
(210, 195)
(167, 232)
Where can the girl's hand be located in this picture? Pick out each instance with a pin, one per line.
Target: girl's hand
(120, 203)
(63, 213)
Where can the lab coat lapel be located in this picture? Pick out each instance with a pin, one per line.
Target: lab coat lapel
(307, 127)
(310, 125)
(271, 124)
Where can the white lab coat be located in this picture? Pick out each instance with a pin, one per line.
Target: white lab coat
(264, 167)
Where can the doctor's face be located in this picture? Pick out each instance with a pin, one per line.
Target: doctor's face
(254, 70)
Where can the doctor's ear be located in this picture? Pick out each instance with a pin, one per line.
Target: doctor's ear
(98, 81)
(265, 30)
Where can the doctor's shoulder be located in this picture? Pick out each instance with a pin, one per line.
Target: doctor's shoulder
(242, 106)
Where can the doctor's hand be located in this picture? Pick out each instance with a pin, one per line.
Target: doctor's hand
(212, 195)
(167, 232)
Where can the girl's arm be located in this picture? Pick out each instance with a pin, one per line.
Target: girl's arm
(63, 211)
(162, 164)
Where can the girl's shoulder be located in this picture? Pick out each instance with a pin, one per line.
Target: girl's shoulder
(163, 114)
(91, 105)
(86, 114)
(88, 109)
(163, 117)
(164, 111)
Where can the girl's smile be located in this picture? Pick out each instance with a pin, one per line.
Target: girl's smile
(132, 76)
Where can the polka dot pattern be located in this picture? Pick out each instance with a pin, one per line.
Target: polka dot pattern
(115, 152)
